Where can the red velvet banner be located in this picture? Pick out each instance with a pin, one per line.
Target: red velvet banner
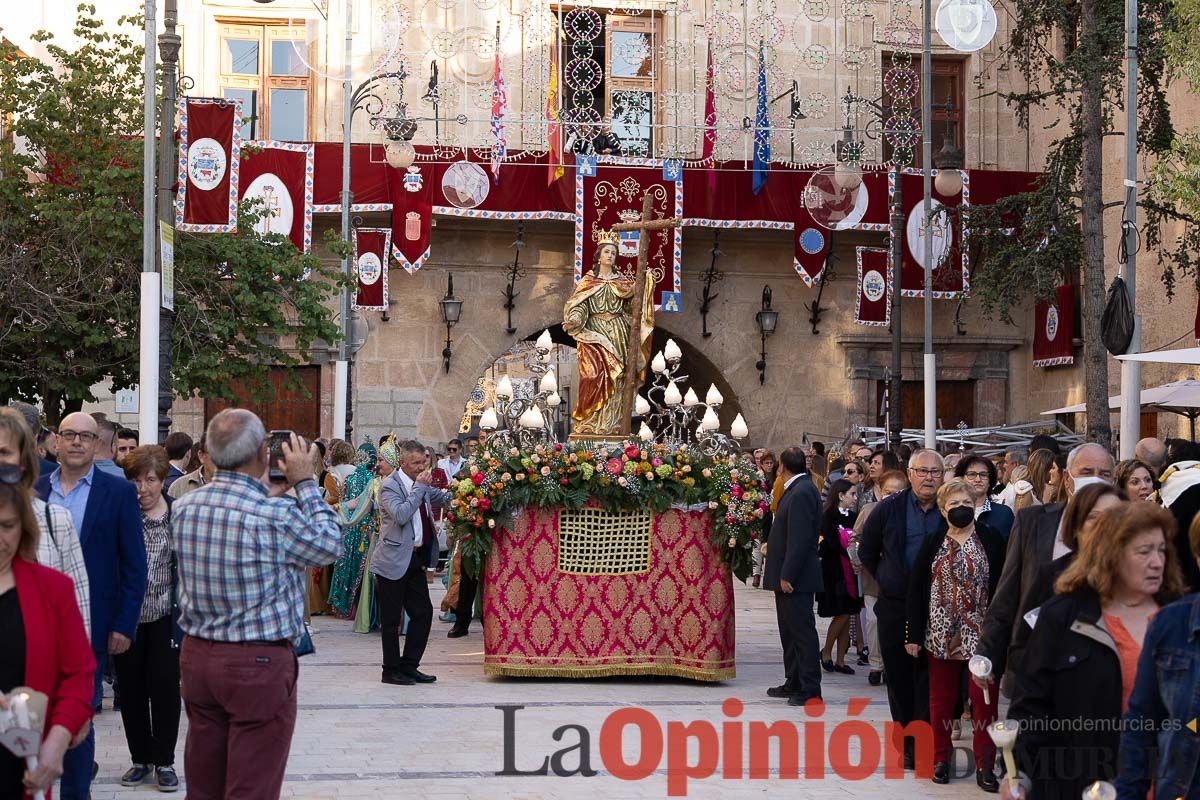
(951, 268)
(372, 248)
(368, 178)
(210, 141)
(675, 619)
(412, 219)
(280, 175)
(873, 303)
(1055, 328)
(615, 195)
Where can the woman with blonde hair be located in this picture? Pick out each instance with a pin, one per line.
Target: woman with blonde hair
(1042, 474)
(1074, 681)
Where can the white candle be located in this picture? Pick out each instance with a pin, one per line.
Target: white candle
(532, 418)
(672, 351)
(671, 396)
(658, 363)
(548, 383)
(644, 433)
(713, 398)
(544, 342)
(690, 398)
(981, 667)
(709, 422)
(641, 406)
(20, 708)
(504, 387)
(739, 429)
(553, 400)
(488, 420)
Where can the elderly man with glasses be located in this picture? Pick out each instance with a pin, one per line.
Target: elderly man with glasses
(106, 510)
(891, 538)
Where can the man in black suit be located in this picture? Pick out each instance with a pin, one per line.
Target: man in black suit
(1035, 541)
(793, 572)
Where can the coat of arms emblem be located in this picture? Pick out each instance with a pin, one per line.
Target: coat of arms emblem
(206, 164)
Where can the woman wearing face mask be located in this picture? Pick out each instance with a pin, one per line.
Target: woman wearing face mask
(58, 543)
(980, 475)
(1136, 480)
(839, 599)
(953, 579)
(1074, 682)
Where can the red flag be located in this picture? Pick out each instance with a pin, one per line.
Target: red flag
(553, 131)
(710, 123)
(499, 111)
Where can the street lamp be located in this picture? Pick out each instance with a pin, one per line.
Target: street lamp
(451, 311)
(949, 160)
(766, 320)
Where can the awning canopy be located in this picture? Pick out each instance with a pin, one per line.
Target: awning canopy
(1185, 355)
(1178, 397)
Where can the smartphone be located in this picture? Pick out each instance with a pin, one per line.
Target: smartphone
(276, 473)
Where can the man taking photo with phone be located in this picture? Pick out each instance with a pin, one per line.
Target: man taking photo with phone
(243, 552)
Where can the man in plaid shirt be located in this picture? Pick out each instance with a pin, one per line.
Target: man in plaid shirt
(243, 552)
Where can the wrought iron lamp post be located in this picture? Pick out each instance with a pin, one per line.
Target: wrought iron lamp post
(766, 320)
(451, 312)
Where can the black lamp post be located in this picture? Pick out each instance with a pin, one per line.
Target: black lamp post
(766, 320)
(451, 311)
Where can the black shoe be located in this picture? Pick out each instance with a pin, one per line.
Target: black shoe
(168, 781)
(136, 774)
(863, 660)
(986, 778)
(783, 690)
(874, 678)
(456, 633)
(844, 669)
(397, 678)
(941, 772)
(418, 676)
(910, 760)
(800, 699)
(827, 665)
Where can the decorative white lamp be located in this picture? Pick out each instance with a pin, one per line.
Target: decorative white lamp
(544, 342)
(709, 421)
(672, 351)
(553, 400)
(488, 421)
(713, 397)
(548, 383)
(641, 406)
(671, 396)
(739, 429)
(532, 418)
(644, 433)
(690, 399)
(658, 363)
(504, 387)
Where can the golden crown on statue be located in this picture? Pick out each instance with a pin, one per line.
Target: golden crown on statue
(608, 237)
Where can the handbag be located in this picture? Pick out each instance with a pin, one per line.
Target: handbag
(304, 645)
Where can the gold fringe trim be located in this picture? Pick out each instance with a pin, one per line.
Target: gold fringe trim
(609, 671)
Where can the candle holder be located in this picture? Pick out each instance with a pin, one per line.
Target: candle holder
(1004, 736)
(677, 417)
(524, 422)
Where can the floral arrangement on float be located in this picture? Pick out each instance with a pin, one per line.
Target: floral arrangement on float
(500, 480)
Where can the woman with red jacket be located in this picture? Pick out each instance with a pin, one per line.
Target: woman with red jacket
(46, 647)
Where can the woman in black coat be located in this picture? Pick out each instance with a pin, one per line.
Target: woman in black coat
(840, 598)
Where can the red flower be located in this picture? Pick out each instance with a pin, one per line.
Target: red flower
(564, 481)
(477, 479)
(729, 519)
(736, 491)
(558, 447)
(615, 466)
(632, 452)
(484, 504)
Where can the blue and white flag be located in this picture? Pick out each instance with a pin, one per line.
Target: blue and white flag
(762, 127)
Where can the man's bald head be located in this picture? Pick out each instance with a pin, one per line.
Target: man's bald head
(1153, 452)
(77, 435)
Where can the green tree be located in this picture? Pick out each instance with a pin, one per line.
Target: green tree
(1070, 54)
(71, 243)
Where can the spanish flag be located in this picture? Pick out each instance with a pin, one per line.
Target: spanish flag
(553, 130)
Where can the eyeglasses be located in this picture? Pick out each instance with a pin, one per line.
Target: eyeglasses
(850, 472)
(979, 476)
(928, 472)
(83, 436)
(452, 449)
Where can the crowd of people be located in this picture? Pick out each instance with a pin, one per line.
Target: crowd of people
(188, 574)
(1053, 589)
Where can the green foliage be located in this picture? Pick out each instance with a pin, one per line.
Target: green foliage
(71, 242)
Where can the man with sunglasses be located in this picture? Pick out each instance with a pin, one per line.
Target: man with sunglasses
(110, 532)
(453, 461)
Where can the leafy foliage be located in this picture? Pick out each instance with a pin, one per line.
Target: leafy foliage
(496, 484)
(71, 243)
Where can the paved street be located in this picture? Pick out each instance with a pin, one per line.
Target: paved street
(356, 738)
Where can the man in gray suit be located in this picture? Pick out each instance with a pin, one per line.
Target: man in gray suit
(405, 545)
(793, 572)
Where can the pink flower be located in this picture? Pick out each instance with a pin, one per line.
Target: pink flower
(564, 481)
(736, 491)
(729, 520)
(614, 466)
(545, 470)
(632, 452)
(477, 479)
(656, 462)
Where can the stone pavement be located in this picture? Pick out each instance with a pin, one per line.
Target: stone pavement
(357, 738)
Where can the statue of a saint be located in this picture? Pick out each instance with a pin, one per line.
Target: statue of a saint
(599, 315)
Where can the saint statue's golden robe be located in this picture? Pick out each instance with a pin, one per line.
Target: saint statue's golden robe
(599, 316)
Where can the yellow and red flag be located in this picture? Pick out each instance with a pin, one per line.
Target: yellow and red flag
(553, 129)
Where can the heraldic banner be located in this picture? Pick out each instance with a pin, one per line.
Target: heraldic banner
(371, 249)
(873, 304)
(663, 606)
(951, 263)
(280, 176)
(210, 143)
(613, 195)
(412, 218)
(1055, 322)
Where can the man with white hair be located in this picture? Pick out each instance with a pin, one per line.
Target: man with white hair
(244, 552)
(1036, 540)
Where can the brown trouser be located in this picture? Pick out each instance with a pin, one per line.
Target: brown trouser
(241, 707)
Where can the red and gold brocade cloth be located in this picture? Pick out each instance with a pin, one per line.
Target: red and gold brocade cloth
(676, 619)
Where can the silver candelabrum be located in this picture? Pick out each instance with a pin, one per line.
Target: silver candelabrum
(677, 418)
(524, 422)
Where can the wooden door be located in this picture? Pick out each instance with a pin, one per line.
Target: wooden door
(290, 409)
(955, 403)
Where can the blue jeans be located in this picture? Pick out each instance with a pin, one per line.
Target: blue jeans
(77, 763)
